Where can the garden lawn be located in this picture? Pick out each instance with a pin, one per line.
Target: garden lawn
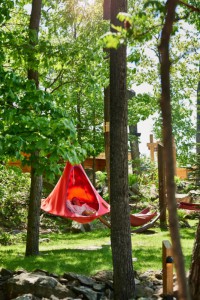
(87, 253)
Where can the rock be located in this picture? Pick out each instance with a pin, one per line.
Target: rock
(41, 285)
(81, 278)
(183, 197)
(137, 281)
(26, 297)
(104, 275)
(158, 275)
(87, 292)
(5, 272)
(44, 240)
(99, 287)
(36, 284)
(77, 227)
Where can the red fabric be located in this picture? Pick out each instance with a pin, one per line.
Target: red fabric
(189, 206)
(142, 218)
(74, 183)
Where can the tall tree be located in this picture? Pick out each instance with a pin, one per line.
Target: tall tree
(32, 242)
(198, 131)
(44, 131)
(124, 286)
(165, 103)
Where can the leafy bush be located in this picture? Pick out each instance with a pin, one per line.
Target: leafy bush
(7, 238)
(14, 195)
(133, 179)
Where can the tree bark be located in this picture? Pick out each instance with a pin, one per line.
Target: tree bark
(195, 268)
(134, 145)
(123, 275)
(107, 132)
(198, 134)
(165, 104)
(32, 242)
(162, 187)
(194, 276)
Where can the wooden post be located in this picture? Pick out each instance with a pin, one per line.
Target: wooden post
(167, 270)
(152, 146)
(162, 186)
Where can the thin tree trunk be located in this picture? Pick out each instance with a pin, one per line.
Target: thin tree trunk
(79, 125)
(134, 145)
(94, 158)
(32, 242)
(107, 132)
(194, 277)
(106, 16)
(198, 134)
(168, 148)
(124, 286)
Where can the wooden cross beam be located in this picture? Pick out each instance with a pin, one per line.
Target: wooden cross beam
(152, 147)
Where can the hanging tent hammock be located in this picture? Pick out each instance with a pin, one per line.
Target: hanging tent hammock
(74, 183)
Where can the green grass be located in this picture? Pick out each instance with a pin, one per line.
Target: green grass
(74, 252)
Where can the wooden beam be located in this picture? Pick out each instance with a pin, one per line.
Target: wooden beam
(152, 147)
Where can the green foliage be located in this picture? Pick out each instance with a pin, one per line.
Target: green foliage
(14, 195)
(44, 131)
(133, 179)
(7, 238)
(141, 107)
(101, 178)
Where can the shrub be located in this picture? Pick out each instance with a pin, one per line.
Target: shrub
(14, 195)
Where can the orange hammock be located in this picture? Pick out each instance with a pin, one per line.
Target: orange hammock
(189, 206)
(74, 183)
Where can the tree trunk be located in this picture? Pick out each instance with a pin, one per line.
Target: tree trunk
(107, 132)
(194, 276)
(165, 104)
(198, 120)
(134, 145)
(123, 275)
(162, 187)
(32, 243)
(198, 134)
(106, 16)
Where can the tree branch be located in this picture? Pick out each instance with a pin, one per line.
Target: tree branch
(61, 84)
(191, 7)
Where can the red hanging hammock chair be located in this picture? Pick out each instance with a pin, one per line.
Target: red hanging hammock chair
(74, 183)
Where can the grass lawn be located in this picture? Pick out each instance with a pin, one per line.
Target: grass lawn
(88, 253)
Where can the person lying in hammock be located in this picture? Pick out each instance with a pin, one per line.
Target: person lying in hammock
(76, 207)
